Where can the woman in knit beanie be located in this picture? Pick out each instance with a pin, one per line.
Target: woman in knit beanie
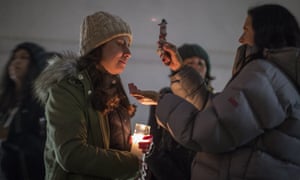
(251, 129)
(168, 159)
(87, 110)
(192, 55)
(197, 57)
(20, 115)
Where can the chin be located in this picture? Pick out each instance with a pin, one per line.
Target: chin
(120, 72)
(120, 69)
(116, 72)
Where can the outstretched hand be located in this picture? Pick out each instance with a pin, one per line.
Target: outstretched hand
(171, 56)
(144, 97)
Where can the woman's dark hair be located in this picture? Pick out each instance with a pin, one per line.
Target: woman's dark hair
(8, 98)
(274, 27)
(108, 92)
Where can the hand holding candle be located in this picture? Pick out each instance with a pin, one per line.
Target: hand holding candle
(141, 140)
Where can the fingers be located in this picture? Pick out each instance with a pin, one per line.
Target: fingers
(143, 97)
(166, 58)
(133, 88)
(144, 146)
(150, 94)
(167, 46)
(137, 96)
(134, 91)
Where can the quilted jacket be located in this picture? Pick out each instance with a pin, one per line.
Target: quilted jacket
(250, 130)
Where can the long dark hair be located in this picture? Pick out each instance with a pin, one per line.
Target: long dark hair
(274, 27)
(8, 97)
(108, 93)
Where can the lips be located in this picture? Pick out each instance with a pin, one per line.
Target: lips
(15, 71)
(123, 61)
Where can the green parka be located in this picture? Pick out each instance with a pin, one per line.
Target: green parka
(77, 145)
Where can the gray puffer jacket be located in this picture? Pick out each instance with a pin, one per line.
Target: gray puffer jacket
(250, 130)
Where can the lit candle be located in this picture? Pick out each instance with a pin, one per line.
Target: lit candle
(139, 132)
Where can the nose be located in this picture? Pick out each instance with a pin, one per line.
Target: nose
(14, 62)
(127, 53)
(196, 66)
(241, 39)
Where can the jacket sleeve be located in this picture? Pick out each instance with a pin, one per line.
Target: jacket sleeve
(67, 128)
(245, 109)
(188, 84)
(162, 166)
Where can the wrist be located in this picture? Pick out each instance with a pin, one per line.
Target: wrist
(175, 70)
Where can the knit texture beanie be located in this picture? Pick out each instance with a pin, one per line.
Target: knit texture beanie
(191, 50)
(100, 28)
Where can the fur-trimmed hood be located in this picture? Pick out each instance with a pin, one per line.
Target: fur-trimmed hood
(57, 69)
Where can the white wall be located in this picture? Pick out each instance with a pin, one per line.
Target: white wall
(216, 25)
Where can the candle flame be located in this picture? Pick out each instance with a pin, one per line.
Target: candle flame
(136, 138)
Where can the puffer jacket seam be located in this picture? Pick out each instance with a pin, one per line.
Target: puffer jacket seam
(253, 149)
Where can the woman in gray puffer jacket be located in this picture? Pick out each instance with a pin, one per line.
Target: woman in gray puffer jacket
(250, 130)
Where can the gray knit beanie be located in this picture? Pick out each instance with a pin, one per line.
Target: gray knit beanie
(191, 50)
(100, 28)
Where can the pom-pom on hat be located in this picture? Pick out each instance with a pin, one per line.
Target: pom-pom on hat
(100, 28)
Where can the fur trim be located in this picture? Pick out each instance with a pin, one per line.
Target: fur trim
(57, 69)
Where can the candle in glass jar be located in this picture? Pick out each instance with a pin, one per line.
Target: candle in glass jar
(140, 131)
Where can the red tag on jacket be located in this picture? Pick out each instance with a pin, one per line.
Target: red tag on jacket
(233, 102)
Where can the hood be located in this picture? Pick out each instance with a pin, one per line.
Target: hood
(59, 67)
(288, 60)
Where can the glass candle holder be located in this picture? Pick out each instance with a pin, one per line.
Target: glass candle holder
(140, 131)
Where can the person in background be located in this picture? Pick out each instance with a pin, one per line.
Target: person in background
(20, 115)
(197, 57)
(251, 129)
(87, 110)
(168, 159)
(194, 56)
